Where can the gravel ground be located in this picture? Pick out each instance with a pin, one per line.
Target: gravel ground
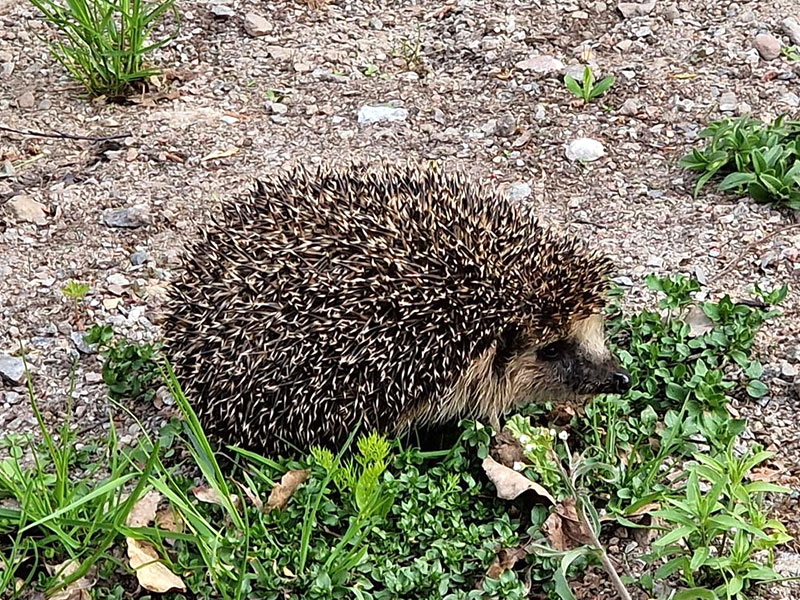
(479, 85)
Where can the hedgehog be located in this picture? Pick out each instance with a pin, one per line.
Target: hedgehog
(381, 298)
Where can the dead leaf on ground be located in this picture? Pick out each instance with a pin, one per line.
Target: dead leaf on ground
(144, 510)
(562, 414)
(507, 450)
(283, 491)
(220, 154)
(506, 559)
(564, 529)
(510, 484)
(153, 575)
(78, 589)
(698, 322)
(169, 520)
(769, 473)
(210, 496)
(251, 496)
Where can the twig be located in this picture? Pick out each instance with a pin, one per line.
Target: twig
(65, 136)
(752, 245)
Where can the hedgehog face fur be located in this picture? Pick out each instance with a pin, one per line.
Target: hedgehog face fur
(386, 296)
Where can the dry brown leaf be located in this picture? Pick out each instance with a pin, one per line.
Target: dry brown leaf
(506, 559)
(507, 450)
(144, 511)
(251, 496)
(169, 520)
(767, 473)
(210, 496)
(221, 154)
(283, 491)
(511, 484)
(564, 529)
(698, 322)
(153, 575)
(78, 589)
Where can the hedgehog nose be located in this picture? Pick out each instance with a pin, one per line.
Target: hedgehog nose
(620, 381)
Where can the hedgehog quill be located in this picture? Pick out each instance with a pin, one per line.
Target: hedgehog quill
(386, 296)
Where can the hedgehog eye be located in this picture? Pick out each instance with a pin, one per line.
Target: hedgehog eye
(551, 351)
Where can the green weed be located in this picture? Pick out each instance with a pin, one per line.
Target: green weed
(587, 90)
(761, 160)
(104, 43)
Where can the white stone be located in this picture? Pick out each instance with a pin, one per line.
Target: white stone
(543, 64)
(27, 209)
(377, 114)
(255, 25)
(585, 150)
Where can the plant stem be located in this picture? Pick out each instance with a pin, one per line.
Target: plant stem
(616, 581)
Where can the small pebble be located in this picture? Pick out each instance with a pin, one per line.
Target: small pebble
(768, 46)
(12, 369)
(255, 25)
(377, 114)
(585, 150)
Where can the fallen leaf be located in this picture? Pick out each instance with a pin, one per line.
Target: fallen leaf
(284, 490)
(144, 511)
(698, 322)
(510, 484)
(506, 449)
(211, 496)
(78, 589)
(251, 496)
(564, 529)
(767, 473)
(220, 154)
(506, 559)
(562, 414)
(153, 575)
(168, 520)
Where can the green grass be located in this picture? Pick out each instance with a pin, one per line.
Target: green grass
(384, 520)
(104, 44)
(759, 159)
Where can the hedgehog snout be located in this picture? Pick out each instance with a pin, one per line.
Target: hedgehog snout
(619, 381)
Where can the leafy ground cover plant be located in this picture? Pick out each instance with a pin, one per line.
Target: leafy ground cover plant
(104, 43)
(380, 520)
(759, 159)
(587, 90)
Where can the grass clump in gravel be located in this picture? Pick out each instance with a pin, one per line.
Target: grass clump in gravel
(759, 159)
(104, 44)
(383, 519)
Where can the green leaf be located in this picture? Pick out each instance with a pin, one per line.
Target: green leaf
(736, 180)
(735, 585)
(699, 558)
(695, 594)
(573, 86)
(602, 87)
(674, 535)
(729, 522)
(763, 486)
(756, 389)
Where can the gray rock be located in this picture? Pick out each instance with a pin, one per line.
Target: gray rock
(12, 369)
(768, 46)
(728, 102)
(12, 398)
(25, 208)
(543, 64)
(138, 258)
(631, 107)
(255, 25)
(623, 280)
(376, 114)
(506, 125)
(792, 28)
(519, 191)
(26, 100)
(791, 99)
(789, 370)
(222, 11)
(671, 13)
(129, 218)
(585, 150)
(634, 9)
(78, 339)
(277, 108)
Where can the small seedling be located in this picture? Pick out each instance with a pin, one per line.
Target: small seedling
(76, 292)
(587, 90)
(792, 53)
(411, 52)
(370, 70)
